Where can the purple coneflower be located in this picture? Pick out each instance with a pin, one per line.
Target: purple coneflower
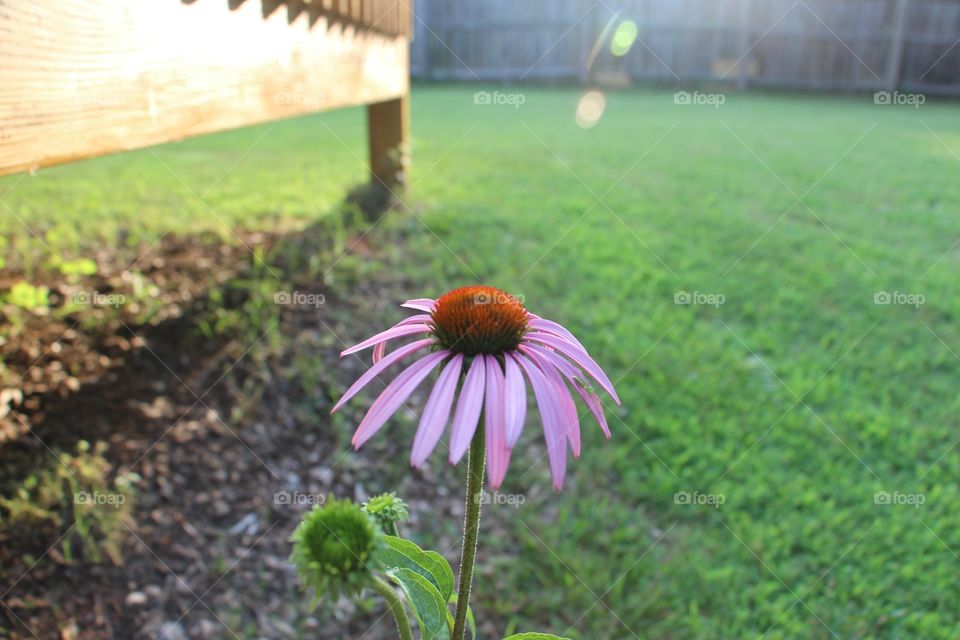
(488, 340)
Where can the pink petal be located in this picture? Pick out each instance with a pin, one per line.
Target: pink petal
(569, 370)
(422, 318)
(394, 395)
(389, 334)
(577, 380)
(515, 401)
(498, 455)
(596, 407)
(381, 348)
(550, 418)
(420, 304)
(378, 368)
(549, 326)
(579, 356)
(566, 405)
(468, 410)
(436, 412)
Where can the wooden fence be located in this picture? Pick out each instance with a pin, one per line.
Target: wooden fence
(911, 45)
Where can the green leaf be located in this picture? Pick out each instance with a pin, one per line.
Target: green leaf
(79, 267)
(535, 636)
(25, 295)
(401, 553)
(429, 608)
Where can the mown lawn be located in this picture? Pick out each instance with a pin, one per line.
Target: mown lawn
(272, 177)
(794, 402)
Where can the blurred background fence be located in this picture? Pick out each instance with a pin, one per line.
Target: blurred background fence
(832, 45)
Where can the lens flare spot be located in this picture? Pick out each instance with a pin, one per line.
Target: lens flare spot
(623, 38)
(590, 109)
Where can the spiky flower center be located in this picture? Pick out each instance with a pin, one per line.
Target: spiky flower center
(386, 509)
(334, 547)
(479, 319)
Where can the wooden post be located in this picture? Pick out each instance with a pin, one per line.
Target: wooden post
(895, 59)
(388, 125)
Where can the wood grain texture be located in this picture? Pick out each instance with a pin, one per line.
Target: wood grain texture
(84, 78)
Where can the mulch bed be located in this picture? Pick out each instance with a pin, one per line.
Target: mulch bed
(216, 430)
(92, 323)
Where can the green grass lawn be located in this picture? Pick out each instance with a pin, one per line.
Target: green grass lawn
(794, 402)
(271, 177)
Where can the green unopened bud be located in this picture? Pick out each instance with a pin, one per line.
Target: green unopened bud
(334, 549)
(387, 509)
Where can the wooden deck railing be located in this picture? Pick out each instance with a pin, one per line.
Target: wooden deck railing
(85, 78)
(392, 17)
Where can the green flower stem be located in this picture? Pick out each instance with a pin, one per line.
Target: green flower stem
(396, 607)
(476, 459)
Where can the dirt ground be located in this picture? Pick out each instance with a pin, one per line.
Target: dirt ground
(232, 440)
